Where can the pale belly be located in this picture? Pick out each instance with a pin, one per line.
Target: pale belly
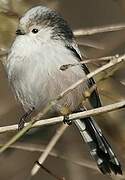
(36, 82)
(37, 89)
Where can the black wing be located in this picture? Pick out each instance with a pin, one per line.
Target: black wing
(94, 98)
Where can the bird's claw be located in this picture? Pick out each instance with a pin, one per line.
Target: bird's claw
(23, 119)
(66, 120)
(21, 123)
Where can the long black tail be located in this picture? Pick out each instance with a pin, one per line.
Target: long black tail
(99, 148)
(91, 133)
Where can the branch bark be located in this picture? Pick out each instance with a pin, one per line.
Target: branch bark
(92, 112)
(86, 61)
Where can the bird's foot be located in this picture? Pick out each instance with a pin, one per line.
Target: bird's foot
(66, 120)
(23, 119)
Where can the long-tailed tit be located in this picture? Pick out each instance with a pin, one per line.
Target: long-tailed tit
(44, 43)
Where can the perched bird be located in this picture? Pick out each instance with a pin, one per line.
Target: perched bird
(44, 43)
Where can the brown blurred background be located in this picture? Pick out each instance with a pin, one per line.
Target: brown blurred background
(16, 164)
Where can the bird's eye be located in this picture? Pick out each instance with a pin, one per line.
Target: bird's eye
(35, 31)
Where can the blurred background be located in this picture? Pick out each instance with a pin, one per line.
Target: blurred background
(73, 160)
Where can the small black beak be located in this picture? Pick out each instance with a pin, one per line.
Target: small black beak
(19, 32)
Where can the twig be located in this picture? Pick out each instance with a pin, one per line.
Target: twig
(92, 112)
(55, 101)
(49, 147)
(107, 58)
(49, 172)
(99, 29)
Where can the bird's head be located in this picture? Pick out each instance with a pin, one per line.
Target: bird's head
(44, 24)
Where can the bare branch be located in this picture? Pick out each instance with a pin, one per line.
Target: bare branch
(99, 29)
(107, 58)
(92, 112)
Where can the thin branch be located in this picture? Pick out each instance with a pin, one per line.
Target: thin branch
(49, 147)
(59, 97)
(99, 29)
(74, 116)
(107, 58)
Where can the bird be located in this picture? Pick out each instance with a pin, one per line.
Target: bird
(44, 42)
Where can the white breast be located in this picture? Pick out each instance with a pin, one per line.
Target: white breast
(35, 75)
